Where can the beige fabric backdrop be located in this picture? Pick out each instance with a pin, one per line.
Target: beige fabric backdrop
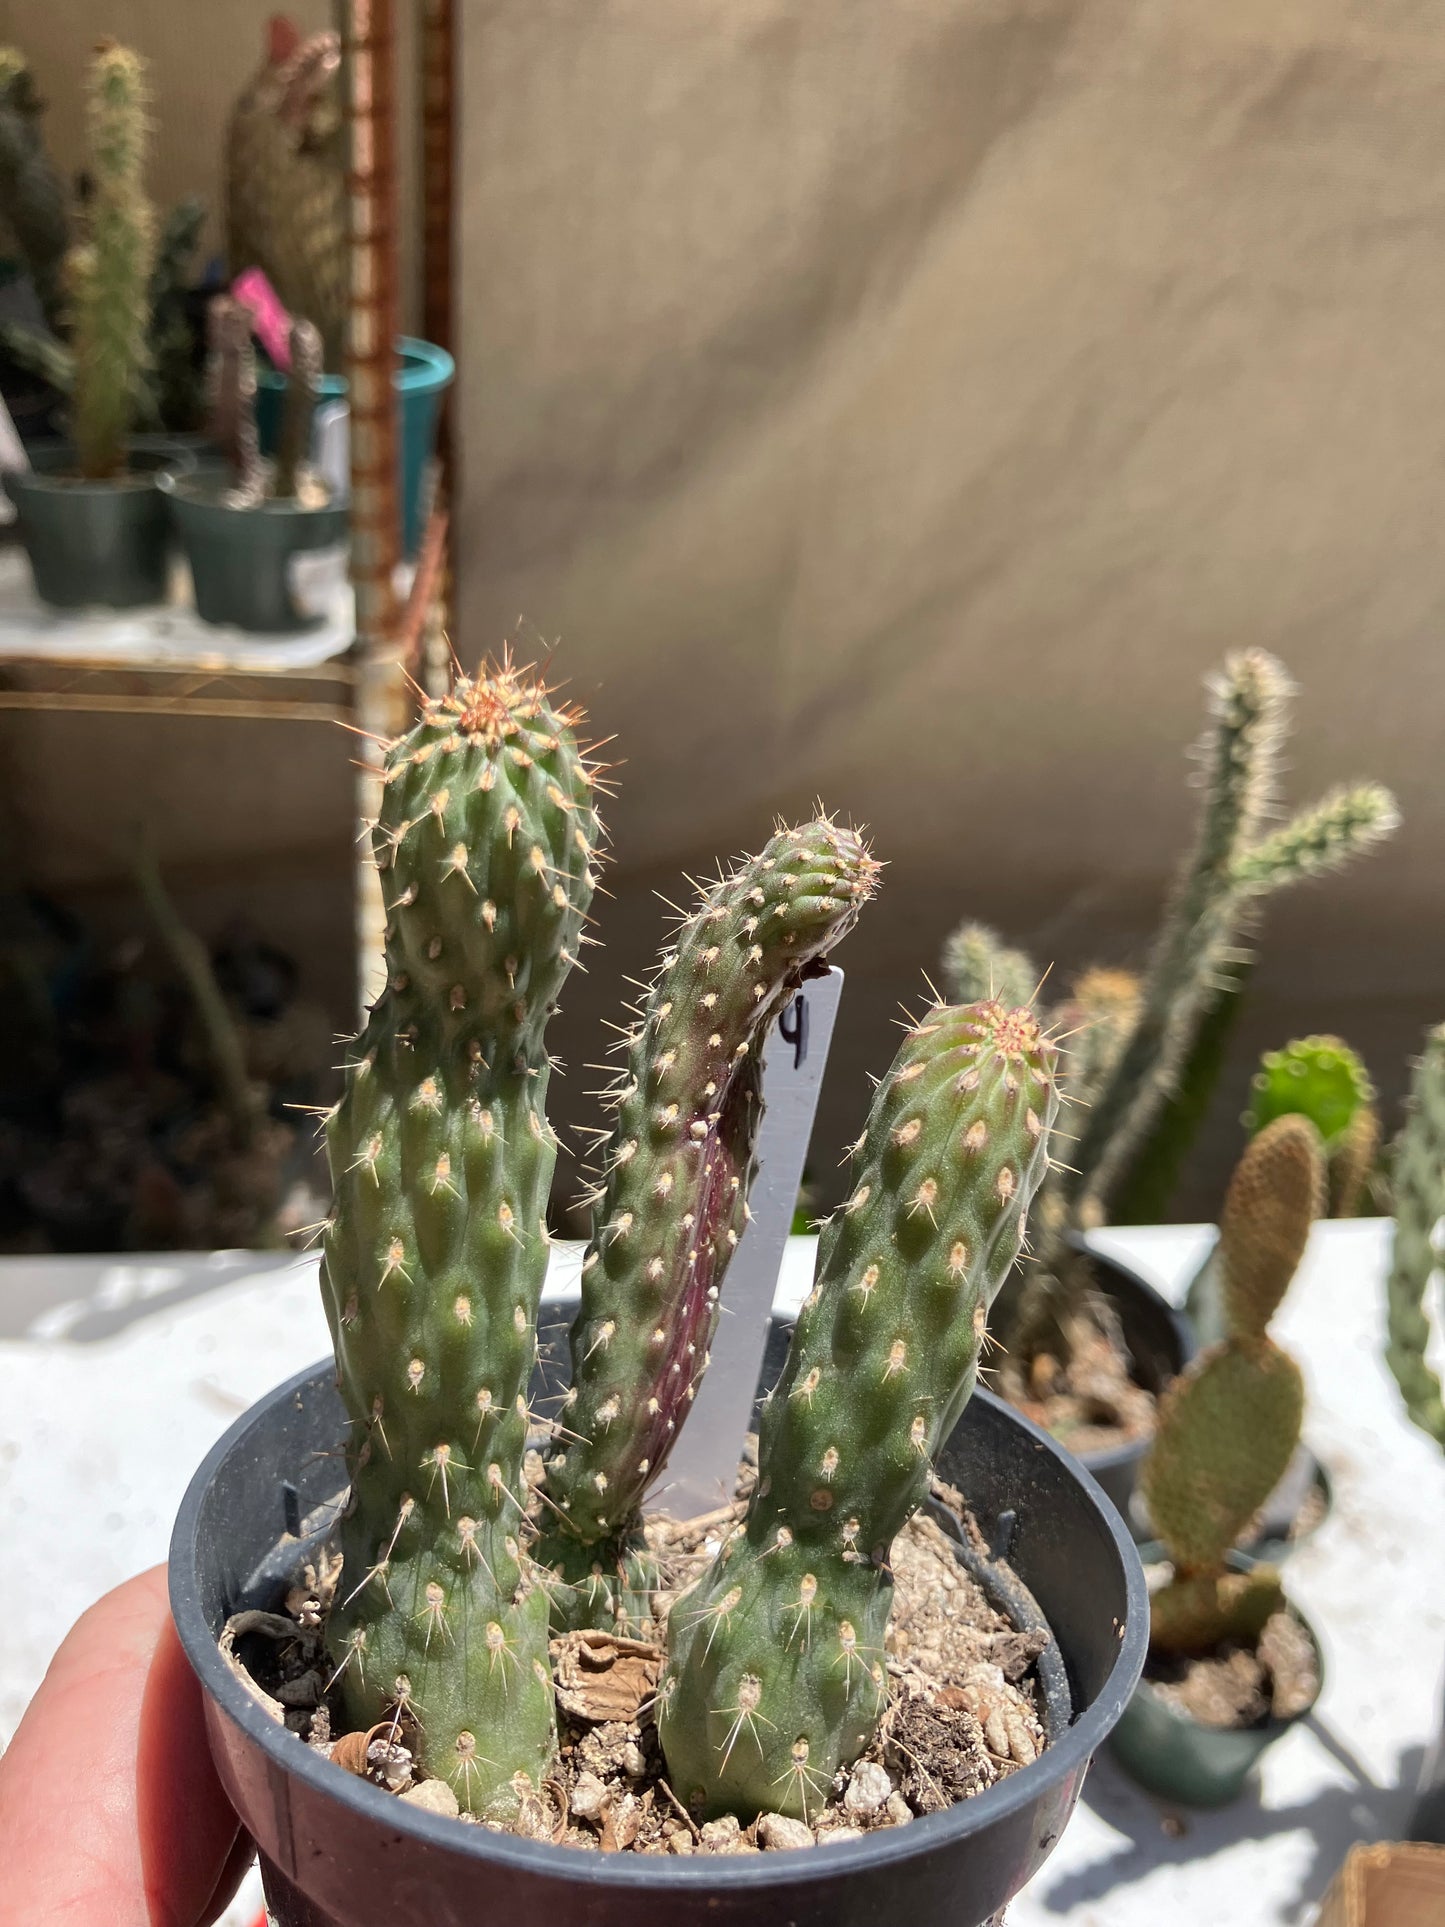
(907, 404)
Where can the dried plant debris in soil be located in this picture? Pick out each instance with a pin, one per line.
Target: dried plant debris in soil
(1240, 1686)
(962, 1710)
(1073, 1377)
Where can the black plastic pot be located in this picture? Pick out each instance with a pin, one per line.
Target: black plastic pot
(240, 558)
(1176, 1757)
(338, 1852)
(95, 544)
(1160, 1343)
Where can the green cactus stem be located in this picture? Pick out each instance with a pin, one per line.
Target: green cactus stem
(676, 1169)
(111, 274)
(1235, 864)
(1230, 1424)
(303, 385)
(978, 965)
(774, 1675)
(441, 1159)
(31, 192)
(1419, 1182)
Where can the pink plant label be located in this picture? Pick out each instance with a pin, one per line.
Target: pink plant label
(270, 322)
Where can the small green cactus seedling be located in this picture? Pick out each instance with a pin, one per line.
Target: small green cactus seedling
(110, 275)
(441, 1159)
(774, 1674)
(1419, 1184)
(676, 1166)
(1322, 1079)
(1229, 1426)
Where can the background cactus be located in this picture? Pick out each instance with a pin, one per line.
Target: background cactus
(774, 1675)
(676, 1168)
(1322, 1079)
(1229, 1426)
(298, 413)
(434, 1259)
(1419, 1184)
(978, 965)
(110, 275)
(32, 195)
(286, 181)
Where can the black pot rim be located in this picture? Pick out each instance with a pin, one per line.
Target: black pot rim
(1107, 1458)
(1068, 1755)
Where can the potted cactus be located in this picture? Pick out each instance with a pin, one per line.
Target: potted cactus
(91, 520)
(1418, 1178)
(1230, 1666)
(469, 1570)
(1089, 1344)
(240, 532)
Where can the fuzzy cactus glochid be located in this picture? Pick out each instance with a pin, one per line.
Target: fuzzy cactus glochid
(434, 1259)
(774, 1676)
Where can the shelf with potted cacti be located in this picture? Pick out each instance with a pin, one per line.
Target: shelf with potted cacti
(639, 1710)
(1090, 1346)
(241, 531)
(90, 517)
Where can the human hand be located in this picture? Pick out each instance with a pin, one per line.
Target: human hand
(110, 1808)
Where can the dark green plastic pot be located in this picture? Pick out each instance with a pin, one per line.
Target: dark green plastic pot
(95, 544)
(1178, 1758)
(423, 374)
(240, 558)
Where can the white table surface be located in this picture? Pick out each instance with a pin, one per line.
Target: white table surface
(117, 1375)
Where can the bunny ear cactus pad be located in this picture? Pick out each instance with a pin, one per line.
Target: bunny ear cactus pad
(441, 1159)
(677, 1166)
(775, 1663)
(1322, 1079)
(1228, 1427)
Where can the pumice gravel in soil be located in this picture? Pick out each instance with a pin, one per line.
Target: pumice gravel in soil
(963, 1710)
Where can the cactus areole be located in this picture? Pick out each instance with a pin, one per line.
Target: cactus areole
(441, 1158)
(775, 1662)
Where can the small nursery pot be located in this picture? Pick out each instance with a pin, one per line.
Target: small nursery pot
(240, 558)
(95, 544)
(1176, 1757)
(1160, 1342)
(338, 1852)
(423, 374)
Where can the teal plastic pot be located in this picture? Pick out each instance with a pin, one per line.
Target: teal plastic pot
(1177, 1758)
(422, 377)
(240, 558)
(95, 544)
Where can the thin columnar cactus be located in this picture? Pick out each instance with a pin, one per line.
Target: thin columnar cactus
(111, 274)
(676, 1168)
(1229, 1426)
(774, 1675)
(1419, 1183)
(1235, 864)
(1322, 1079)
(303, 384)
(441, 1158)
(978, 964)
